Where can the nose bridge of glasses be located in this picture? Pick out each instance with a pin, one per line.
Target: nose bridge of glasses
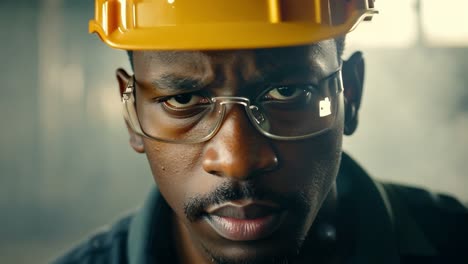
(252, 111)
(224, 100)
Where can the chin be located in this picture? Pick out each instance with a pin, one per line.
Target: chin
(253, 254)
(279, 248)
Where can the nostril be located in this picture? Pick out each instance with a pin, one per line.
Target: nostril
(215, 173)
(212, 163)
(240, 167)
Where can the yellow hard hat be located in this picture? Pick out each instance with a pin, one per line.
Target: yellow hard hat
(224, 24)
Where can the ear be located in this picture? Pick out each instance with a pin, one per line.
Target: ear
(136, 141)
(353, 80)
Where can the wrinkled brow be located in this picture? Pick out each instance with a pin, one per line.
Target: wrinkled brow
(177, 83)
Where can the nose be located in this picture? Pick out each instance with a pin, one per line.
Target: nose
(238, 150)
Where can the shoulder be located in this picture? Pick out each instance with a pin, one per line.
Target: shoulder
(108, 246)
(442, 219)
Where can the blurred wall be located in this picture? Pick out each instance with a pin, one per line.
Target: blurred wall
(66, 167)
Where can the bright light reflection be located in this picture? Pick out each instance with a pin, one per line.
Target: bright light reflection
(394, 26)
(445, 22)
(442, 23)
(123, 13)
(171, 1)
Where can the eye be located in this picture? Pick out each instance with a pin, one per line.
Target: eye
(285, 93)
(187, 100)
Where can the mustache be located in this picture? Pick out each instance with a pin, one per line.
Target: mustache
(195, 206)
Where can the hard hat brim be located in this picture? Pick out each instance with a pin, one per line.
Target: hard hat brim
(224, 35)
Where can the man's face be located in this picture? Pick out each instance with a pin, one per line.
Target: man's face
(241, 196)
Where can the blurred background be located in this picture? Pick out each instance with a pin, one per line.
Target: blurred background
(67, 169)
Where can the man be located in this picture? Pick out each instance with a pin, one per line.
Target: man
(240, 108)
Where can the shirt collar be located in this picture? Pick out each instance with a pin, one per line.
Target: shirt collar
(149, 234)
(376, 239)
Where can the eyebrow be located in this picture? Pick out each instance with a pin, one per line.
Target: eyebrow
(283, 72)
(177, 83)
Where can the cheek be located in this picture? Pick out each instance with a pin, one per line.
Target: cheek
(174, 169)
(311, 165)
(313, 161)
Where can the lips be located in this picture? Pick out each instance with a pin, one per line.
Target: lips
(245, 221)
(249, 211)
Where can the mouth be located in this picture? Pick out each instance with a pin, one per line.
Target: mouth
(245, 220)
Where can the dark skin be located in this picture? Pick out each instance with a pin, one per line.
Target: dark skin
(238, 154)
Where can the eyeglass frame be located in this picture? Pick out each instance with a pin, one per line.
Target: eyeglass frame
(131, 117)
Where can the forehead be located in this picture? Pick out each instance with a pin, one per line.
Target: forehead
(321, 58)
